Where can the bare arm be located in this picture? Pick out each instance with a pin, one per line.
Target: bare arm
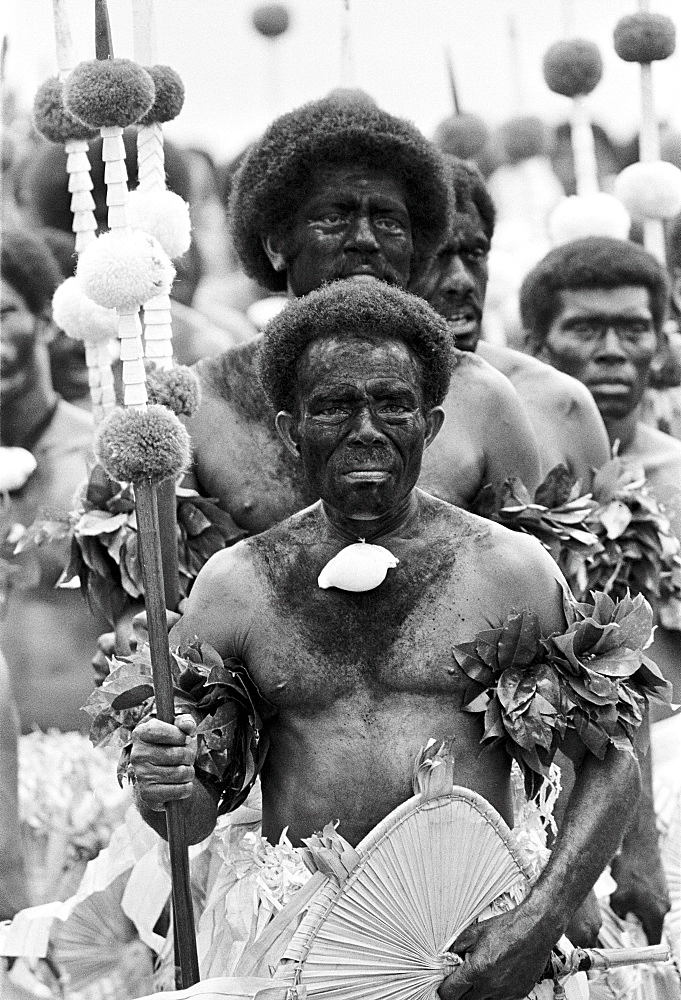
(163, 754)
(505, 956)
(510, 443)
(586, 436)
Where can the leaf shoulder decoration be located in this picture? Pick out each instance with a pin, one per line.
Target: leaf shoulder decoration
(221, 697)
(594, 678)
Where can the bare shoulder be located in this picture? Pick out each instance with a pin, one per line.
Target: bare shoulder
(473, 369)
(513, 567)
(656, 449)
(523, 369)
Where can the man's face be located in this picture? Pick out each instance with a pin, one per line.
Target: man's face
(354, 222)
(17, 345)
(605, 337)
(454, 280)
(360, 424)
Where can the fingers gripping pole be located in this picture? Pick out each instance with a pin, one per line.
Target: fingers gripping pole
(152, 572)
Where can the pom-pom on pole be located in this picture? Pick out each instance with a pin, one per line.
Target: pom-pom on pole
(646, 37)
(146, 449)
(151, 207)
(573, 68)
(81, 318)
(178, 388)
(53, 120)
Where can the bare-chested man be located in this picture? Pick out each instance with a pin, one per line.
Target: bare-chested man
(360, 681)
(594, 309)
(334, 191)
(454, 281)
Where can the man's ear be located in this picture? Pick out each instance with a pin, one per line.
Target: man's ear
(273, 247)
(435, 418)
(287, 429)
(45, 329)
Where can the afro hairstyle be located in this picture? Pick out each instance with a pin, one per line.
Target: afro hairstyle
(28, 265)
(591, 262)
(470, 192)
(375, 311)
(277, 173)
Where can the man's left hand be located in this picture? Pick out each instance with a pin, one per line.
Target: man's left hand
(505, 958)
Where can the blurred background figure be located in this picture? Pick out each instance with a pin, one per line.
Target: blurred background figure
(48, 634)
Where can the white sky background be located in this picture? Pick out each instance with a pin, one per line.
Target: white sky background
(236, 81)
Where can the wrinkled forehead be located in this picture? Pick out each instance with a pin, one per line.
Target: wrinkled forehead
(330, 178)
(355, 359)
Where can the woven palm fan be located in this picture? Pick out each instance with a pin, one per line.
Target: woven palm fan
(423, 875)
(97, 942)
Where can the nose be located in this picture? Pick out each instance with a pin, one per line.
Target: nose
(364, 431)
(457, 281)
(610, 348)
(361, 235)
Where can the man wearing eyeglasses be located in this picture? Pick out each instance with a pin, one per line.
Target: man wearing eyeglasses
(594, 308)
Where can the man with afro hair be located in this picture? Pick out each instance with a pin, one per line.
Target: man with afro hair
(453, 280)
(341, 189)
(358, 667)
(594, 308)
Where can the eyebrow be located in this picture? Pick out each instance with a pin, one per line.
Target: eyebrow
(604, 318)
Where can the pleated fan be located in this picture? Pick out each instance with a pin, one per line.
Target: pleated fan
(423, 875)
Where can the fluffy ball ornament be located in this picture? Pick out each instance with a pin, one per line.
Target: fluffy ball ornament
(523, 137)
(644, 37)
(169, 95)
(52, 119)
(123, 272)
(106, 93)
(464, 135)
(177, 388)
(164, 215)
(597, 214)
(572, 67)
(151, 444)
(650, 190)
(271, 19)
(81, 318)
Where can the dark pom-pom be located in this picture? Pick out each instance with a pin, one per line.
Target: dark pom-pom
(572, 67)
(644, 37)
(109, 92)
(136, 445)
(51, 118)
(169, 95)
(177, 388)
(271, 19)
(523, 137)
(464, 135)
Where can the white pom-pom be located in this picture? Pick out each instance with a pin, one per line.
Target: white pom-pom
(81, 318)
(123, 271)
(650, 190)
(163, 214)
(597, 214)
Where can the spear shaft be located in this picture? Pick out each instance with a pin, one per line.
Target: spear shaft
(186, 957)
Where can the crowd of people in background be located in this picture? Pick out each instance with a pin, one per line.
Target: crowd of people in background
(575, 348)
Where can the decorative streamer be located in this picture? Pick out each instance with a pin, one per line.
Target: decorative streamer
(77, 162)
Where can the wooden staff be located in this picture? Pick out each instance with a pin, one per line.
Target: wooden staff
(186, 957)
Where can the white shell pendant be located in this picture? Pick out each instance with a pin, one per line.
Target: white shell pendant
(358, 567)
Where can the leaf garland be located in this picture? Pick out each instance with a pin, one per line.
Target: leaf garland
(615, 540)
(104, 553)
(219, 695)
(593, 678)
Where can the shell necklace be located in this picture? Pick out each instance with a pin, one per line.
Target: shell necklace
(358, 567)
